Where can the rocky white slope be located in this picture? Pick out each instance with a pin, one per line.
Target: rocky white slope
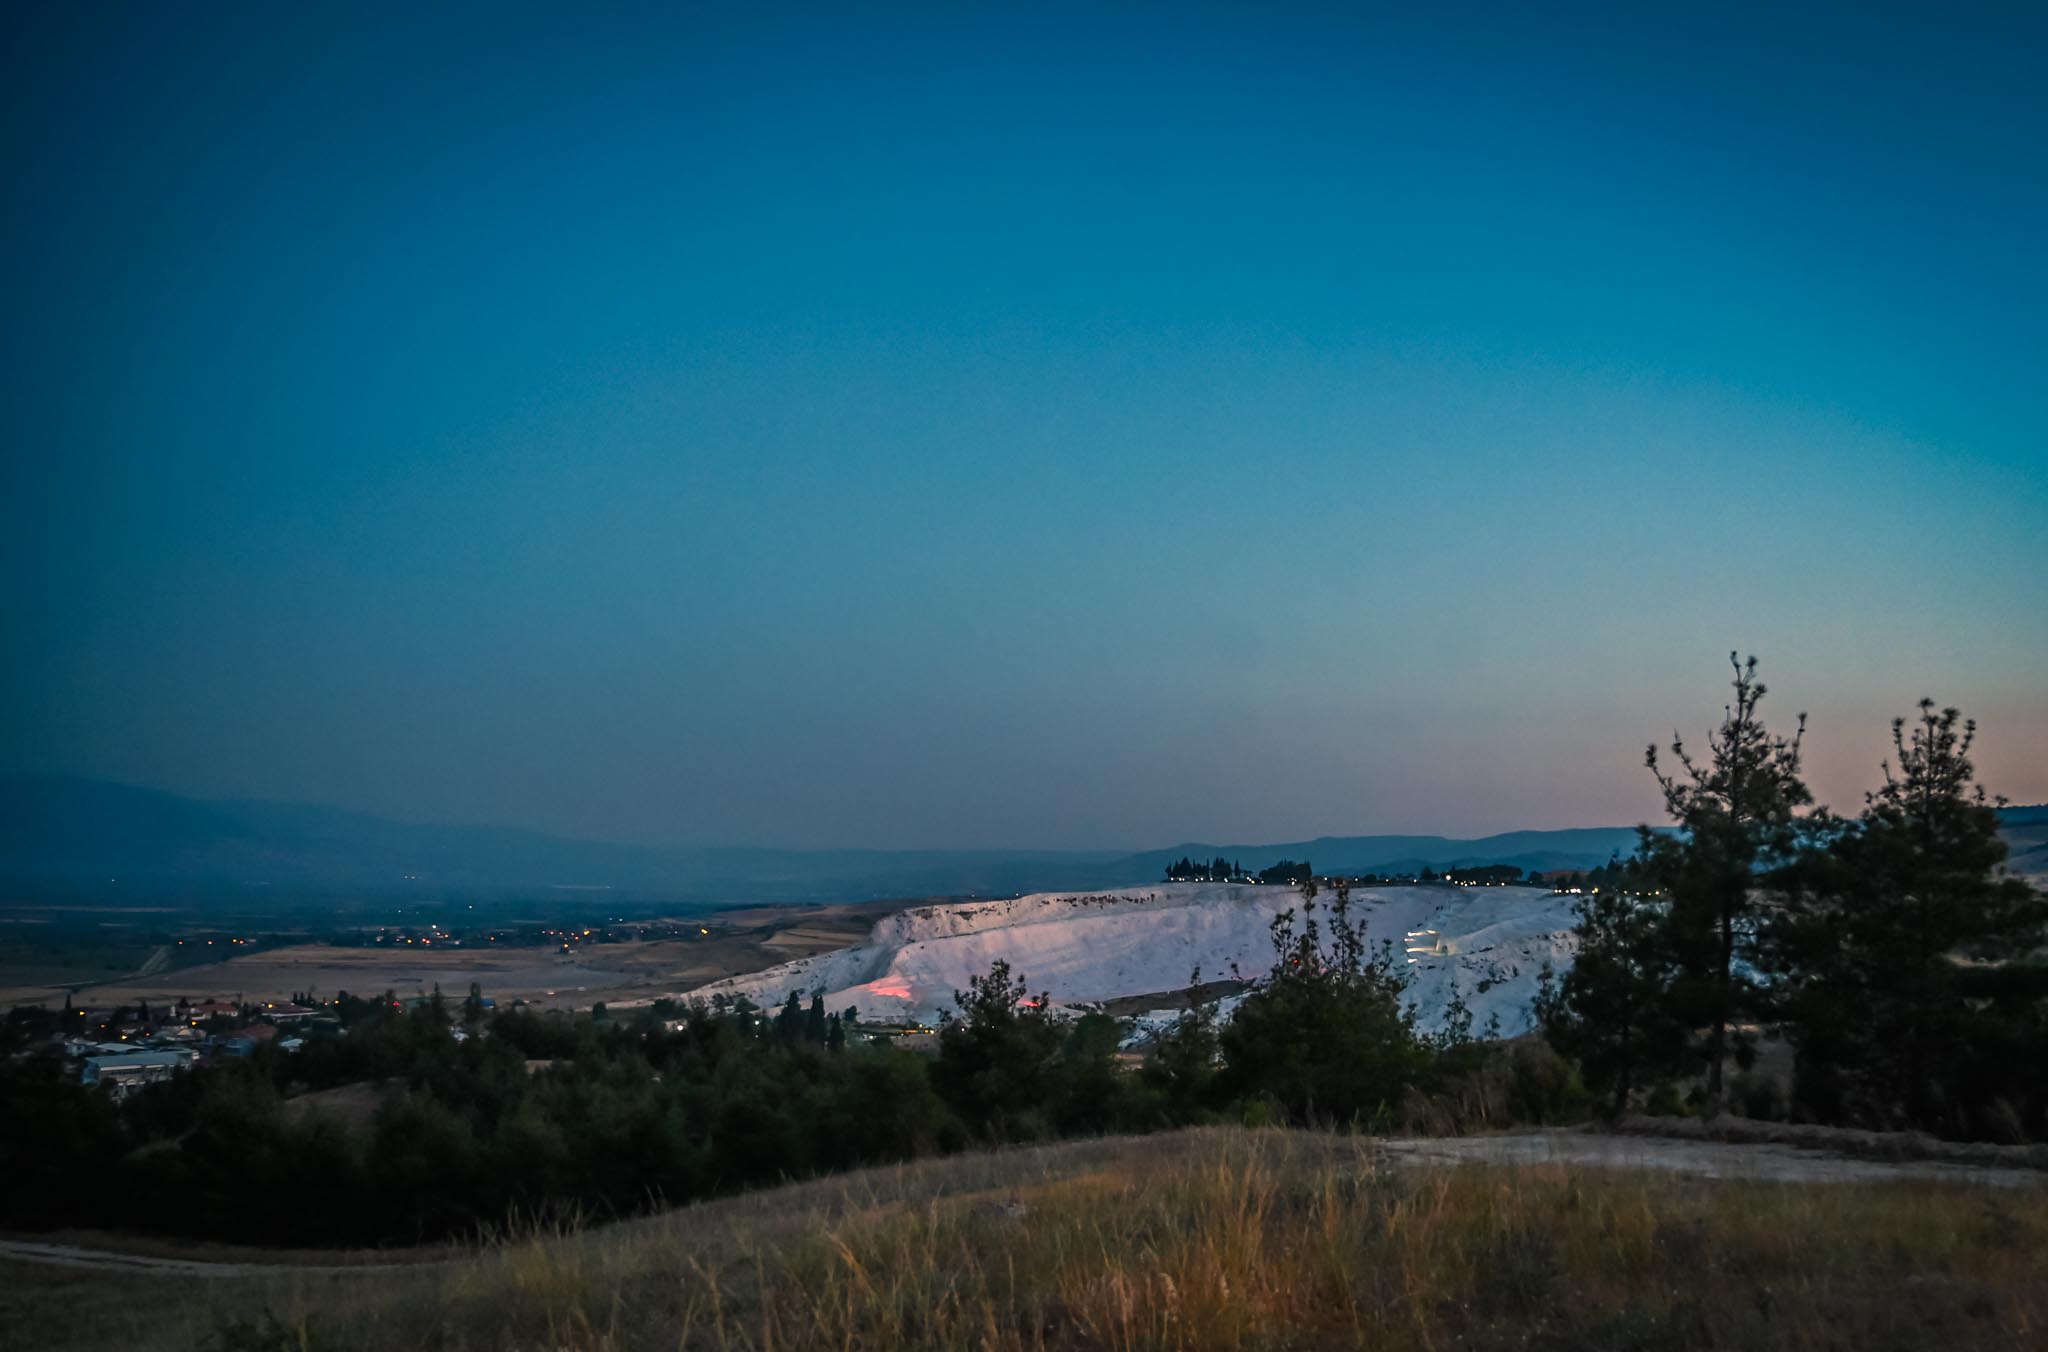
(1487, 943)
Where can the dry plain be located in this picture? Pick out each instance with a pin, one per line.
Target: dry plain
(732, 942)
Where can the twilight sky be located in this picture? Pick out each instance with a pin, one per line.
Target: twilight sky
(926, 426)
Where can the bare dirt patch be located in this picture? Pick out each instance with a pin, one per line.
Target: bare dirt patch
(350, 1106)
(1878, 1145)
(1703, 1158)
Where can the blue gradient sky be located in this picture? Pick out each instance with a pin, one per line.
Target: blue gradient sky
(931, 427)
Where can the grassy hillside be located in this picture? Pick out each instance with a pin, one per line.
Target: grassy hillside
(1210, 1238)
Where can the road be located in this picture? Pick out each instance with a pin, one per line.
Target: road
(1705, 1159)
(108, 1260)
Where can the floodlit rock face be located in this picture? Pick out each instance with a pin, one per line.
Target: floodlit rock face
(1488, 944)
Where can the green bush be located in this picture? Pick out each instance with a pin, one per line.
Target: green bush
(1666, 1101)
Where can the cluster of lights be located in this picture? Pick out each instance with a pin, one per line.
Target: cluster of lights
(434, 932)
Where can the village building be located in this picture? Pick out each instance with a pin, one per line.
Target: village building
(129, 1068)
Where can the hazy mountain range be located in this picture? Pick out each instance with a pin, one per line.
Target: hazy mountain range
(90, 838)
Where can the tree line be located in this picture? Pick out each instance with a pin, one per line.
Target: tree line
(1221, 870)
(1889, 950)
(1217, 870)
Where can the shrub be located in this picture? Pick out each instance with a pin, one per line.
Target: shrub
(1666, 1101)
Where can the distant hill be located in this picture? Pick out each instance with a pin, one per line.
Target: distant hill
(92, 839)
(101, 839)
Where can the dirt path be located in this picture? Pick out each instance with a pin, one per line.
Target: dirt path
(110, 1260)
(1705, 1159)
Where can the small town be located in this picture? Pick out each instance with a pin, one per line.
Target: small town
(123, 1048)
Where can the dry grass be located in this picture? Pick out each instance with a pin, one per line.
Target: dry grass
(353, 1107)
(1205, 1239)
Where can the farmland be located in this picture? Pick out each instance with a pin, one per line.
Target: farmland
(104, 958)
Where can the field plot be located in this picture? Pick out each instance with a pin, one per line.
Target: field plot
(731, 943)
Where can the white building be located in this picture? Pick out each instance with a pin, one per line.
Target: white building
(127, 1069)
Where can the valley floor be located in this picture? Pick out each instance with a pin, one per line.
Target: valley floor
(1209, 1238)
(733, 942)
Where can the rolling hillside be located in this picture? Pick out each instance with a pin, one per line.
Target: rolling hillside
(1212, 1238)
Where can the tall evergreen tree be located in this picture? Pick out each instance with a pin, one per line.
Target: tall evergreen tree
(1737, 814)
(789, 1023)
(1888, 931)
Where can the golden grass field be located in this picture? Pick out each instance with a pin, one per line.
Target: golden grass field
(1213, 1238)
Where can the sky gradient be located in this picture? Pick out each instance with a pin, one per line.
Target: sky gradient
(937, 428)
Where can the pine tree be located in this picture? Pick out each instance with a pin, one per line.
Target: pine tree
(1325, 1035)
(1737, 820)
(995, 1055)
(814, 1024)
(1182, 1066)
(1612, 1010)
(1883, 937)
